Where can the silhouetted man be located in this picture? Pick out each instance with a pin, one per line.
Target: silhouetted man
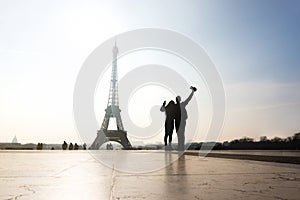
(169, 122)
(181, 117)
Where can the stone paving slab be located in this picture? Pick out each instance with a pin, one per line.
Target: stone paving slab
(77, 175)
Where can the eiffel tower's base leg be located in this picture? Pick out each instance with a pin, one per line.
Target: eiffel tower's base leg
(100, 139)
(125, 142)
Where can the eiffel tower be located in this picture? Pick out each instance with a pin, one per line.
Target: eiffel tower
(112, 111)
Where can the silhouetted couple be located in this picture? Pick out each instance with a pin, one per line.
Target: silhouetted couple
(176, 114)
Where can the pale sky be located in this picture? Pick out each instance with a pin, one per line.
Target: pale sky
(254, 45)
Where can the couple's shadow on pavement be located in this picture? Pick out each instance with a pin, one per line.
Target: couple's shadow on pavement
(176, 183)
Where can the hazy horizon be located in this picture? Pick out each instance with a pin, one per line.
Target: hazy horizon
(253, 44)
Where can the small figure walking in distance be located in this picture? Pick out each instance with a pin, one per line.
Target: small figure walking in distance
(64, 145)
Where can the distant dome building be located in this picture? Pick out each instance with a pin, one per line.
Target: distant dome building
(15, 140)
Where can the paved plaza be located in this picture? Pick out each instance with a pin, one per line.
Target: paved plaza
(141, 175)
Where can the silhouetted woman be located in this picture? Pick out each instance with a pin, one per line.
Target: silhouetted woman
(169, 123)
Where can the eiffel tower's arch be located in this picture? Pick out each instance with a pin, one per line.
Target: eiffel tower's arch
(111, 136)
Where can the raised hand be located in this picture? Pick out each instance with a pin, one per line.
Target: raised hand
(193, 88)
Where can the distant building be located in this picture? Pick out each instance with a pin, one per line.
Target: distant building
(15, 140)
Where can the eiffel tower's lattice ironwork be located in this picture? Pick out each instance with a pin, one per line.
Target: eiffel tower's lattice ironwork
(112, 112)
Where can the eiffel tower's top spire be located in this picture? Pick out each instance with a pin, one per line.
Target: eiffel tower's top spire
(113, 99)
(115, 50)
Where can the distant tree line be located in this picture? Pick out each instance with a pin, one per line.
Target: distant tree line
(245, 143)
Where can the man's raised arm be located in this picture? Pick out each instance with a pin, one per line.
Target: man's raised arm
(185, 102)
